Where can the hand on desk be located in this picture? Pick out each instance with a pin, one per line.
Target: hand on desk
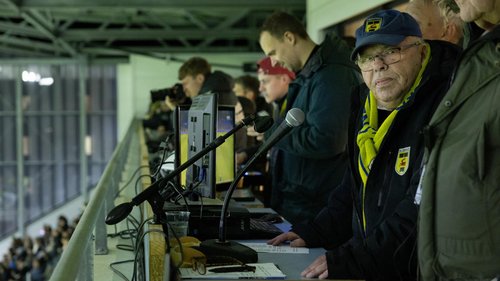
(295, 240)
(318, 268)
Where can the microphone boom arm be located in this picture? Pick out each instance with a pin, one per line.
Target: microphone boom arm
(221, 246)
(151, 193)
(232, 187)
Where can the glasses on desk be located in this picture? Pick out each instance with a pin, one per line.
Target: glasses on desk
(226, 264)
(388, 56)
(199, 265)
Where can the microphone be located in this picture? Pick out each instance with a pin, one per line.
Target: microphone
(222, 247)
(152, 193)
(262, 123)
(294, 117)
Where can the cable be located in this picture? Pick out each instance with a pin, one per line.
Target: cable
(125, 247)
(134, 275)
(137, 181)
(163, 144)
(125, 234)
(118, 272)
(130, 180)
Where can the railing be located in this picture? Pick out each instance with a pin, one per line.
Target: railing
(76, 262)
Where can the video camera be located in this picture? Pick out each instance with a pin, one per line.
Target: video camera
(175, 93)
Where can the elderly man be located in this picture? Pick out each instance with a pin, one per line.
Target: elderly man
(369, 224)
(436, 24)
(311, 156)
(459, 237)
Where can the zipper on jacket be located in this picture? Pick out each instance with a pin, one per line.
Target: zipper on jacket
(379, 201)
(384, 182)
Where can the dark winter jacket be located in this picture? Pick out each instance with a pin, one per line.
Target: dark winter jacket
(385, 250)
(312, 157)
(222, 84)
(459, 225)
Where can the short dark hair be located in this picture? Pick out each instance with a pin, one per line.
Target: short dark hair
(248, 82)
(247, 105)
(195, 66)
(280, 22)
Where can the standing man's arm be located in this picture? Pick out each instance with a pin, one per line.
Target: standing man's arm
(324, 132)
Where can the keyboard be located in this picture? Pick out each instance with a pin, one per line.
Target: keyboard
(263, 230)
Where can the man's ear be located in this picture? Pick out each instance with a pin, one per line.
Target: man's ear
(423, 52)
(289, 37)
(200, 78)
(452, 33)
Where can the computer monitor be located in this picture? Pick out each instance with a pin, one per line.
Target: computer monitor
(194, 129)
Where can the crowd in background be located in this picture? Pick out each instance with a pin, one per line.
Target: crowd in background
(35, 258)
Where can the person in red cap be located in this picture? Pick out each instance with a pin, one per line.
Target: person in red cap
(273, 85)
(274, 80)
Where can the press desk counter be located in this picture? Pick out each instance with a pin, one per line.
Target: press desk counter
(290, 264)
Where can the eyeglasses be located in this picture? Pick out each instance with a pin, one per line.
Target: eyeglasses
(199, 265)
(388, 56)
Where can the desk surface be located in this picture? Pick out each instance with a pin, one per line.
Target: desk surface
(291, 264)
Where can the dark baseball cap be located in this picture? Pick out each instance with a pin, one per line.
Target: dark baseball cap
(387, 27)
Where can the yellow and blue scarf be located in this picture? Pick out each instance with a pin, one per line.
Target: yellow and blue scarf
(371, 135)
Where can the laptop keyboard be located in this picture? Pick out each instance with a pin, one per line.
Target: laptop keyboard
(266, 229)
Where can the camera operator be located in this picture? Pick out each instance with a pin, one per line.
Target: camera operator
(175, 96)
(158, 123)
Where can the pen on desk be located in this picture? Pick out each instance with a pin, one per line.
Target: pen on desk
(239, 268)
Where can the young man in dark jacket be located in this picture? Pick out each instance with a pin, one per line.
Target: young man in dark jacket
(197, 78)
(369, 225)
(313, 155)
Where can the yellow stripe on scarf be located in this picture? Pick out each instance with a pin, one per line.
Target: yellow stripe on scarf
(370, 136)
(283, 108)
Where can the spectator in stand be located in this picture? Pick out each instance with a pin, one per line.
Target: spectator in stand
(26, 258)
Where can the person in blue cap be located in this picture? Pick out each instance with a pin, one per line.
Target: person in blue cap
(369, 225)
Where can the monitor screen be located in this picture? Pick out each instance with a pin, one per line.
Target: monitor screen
(209, 170)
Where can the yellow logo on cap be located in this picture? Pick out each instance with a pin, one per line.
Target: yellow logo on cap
(373, 24)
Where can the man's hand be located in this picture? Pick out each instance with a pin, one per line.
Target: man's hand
(318, 268)
(171, 104)
(295, 240)
(241, 157)
(252, 133)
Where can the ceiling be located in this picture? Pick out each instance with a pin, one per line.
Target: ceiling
(55, 29)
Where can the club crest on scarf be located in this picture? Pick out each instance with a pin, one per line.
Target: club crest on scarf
(402, 162)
